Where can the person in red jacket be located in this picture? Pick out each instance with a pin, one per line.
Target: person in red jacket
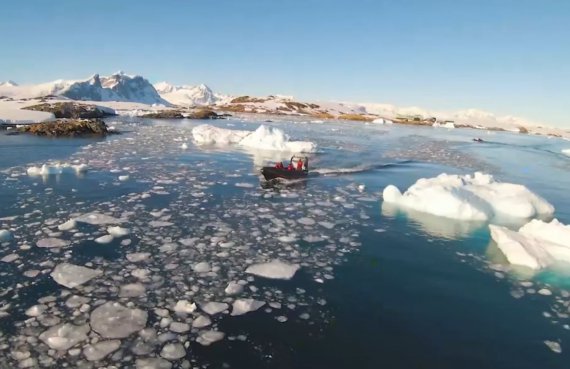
(279, 165)
(300, 165)
(290, 167)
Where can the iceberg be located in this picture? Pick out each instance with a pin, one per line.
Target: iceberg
(56, 169)
(477, 197)
(536, 245)
(263, 138)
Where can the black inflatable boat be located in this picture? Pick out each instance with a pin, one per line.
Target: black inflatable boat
(271, 173)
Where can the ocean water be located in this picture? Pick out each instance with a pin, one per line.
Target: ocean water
(376, 287)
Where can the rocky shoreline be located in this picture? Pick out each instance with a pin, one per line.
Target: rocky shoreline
(72, 110)
(68, 128)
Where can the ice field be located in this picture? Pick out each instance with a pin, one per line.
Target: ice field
(163, 248)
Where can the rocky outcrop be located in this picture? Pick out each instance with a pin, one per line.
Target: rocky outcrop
(179, 114)
(70, 110)
(68, 128)
(164, 114)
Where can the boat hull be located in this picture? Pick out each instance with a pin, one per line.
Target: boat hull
(273, 173)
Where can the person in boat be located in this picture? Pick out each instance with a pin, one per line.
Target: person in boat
(279, 165)
(300, 165)
(290, 167)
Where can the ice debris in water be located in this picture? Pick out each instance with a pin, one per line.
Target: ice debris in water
(52, 243)
(536, 245)
(153, 363)
(71, 276)
(184, 306)
(55, 169)
(113, 320)
(97, 219)
(67, 226)
(173, 351)
(206, 338)
(275, 269)
(100, 350)
(64, 336)
(242, 306)
(118, 231)
(104, 239)
(554, 346)
(233, 288)
(5, 235)
(469, 197)
(263, 138)
(213, 308)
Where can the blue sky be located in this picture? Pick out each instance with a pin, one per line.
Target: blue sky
(505, 56)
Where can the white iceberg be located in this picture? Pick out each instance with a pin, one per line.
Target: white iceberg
(469, 197)
(275, 269)
(536, 245)
(263, 138)
(47, 170)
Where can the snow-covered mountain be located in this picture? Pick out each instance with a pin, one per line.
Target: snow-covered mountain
(186, 95)
(117, 87)
(8, 84)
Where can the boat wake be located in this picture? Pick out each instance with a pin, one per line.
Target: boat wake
(358, 168)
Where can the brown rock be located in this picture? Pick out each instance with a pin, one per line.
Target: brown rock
(68, 128)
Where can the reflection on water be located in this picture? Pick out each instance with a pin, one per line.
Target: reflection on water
(433, 225)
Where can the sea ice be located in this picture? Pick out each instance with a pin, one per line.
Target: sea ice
(113, 320)
(275, 269)
(97, 219)
(64, 336)
(536, 245)
(153, 363)
(233, 288)
(242, 306)
(104, 239)
(201, 321)
(206, 338)
(67, 226)
(118, 231)
(101, 349)
(5, 235)
(469, 197)
(185, 307)
(71, 276)
(213, 308)
(132, 290)
(52, 242)
(202, 267)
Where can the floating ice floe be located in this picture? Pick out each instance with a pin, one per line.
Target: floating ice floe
(118, 231)
(104, 239)
(566, 152)
(233, 288)
(448, 125)
(71, 276)
(536, 245)
(113, 320)
(67, 226)
(65, 336)
(201, 322)
(382, 121)
(242, 306)
(153, 363)
(46, 170)
(173, 351)
(263, 138)
(213, 308)
(185, 307)
(5, 235)
(469, 197)
(52, 242)
(206, 338)
(275, 269)
(99, 350)
(98, 219)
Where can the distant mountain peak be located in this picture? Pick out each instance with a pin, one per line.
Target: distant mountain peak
(187, 95)
(9, 83)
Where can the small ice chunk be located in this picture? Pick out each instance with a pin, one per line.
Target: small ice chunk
(95, 218)
(202, 267)
(64, 336)
(178, 327)
(52, 243)
(113, 320)
(327, 225)
(67, 226)
(101, 349)
(544, 292)
(554, 346)
(306, 221)
(206, 338)
(124, 177)
(104, 239)
(173, 351)
(153, 363)
(213, 307)
(71, 276)
(10, 258)
(185, 307)
(201, 321)
(36, 310)
(275, 269)
(5, 235)
(118, 231)
(233, 288)
(136, 257)
(242, 306)
(132, 290)
(184, 146)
